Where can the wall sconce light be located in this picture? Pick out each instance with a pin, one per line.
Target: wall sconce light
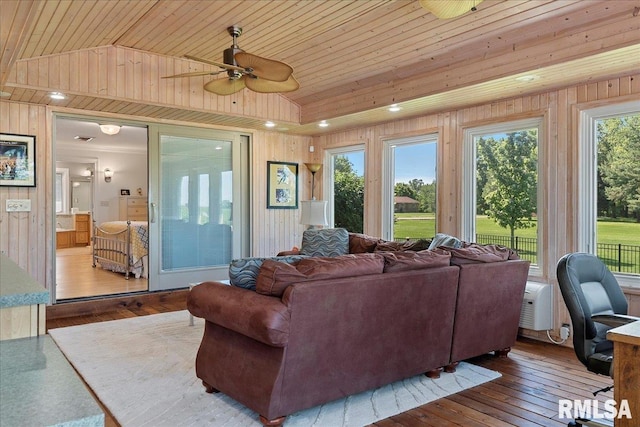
(108, 174)
(110, 129)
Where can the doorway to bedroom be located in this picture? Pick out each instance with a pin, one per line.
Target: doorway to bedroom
(101, 182)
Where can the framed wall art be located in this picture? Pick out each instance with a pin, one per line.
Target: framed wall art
(17, 160)
(282, 185)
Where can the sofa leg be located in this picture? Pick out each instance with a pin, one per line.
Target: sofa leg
(433, 374)
(503, 352)
(209, 389)
(276, 422)
(451, 368)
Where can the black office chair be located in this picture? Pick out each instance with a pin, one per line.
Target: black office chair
(596, 304)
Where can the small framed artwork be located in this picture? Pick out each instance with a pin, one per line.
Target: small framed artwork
(17, 160)
(125, 192)
(282, 185)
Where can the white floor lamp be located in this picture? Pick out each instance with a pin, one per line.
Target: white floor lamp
(313, 212)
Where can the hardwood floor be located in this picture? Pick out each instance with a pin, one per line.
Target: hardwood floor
(535, 375)
(77, 278)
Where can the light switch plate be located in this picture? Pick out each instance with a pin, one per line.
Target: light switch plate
(18, 205)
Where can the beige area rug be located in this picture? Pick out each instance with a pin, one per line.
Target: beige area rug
(142, 370)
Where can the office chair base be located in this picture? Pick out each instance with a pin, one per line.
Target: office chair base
(578, 422)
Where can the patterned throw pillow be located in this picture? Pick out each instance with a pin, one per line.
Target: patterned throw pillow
(326, 242)
(243, 272)
(442, 239)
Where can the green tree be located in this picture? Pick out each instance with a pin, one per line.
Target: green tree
(404, 189)
(348, 196)
(619, 168)
(511, 187)
(427, 198)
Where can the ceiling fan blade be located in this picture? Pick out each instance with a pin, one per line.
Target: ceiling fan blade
(445, 9)
(225, 86)
(217, 64)
(194, 74)
(270, 86)
(264, 68)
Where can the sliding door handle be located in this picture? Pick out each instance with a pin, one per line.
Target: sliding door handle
(152, 212)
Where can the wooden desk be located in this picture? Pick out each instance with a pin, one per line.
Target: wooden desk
(626, 370)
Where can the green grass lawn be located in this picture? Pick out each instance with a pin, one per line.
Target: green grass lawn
(422, 225)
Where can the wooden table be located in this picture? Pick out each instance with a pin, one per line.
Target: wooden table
(626, 370)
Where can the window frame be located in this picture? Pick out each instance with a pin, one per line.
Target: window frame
(468, 195)
(587, 216)
(329, 181)
(388, 176)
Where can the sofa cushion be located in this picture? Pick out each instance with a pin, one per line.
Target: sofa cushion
(243, 272)
(446, 240)
(275, 277)
(325, 242)
(475, 253)
(361, 243)
(409, 260)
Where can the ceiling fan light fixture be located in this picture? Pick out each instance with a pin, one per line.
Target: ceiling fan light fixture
(110, 129)
(445, 9)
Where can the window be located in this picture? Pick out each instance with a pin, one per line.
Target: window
(609, 188)
(346, 188)
(409, 185)
(500, 186)
(62, 190)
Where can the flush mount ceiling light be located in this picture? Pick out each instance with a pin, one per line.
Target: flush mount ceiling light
(394, 107)
(323, 124)
(110, 129)
(445, 9)
(56, 95)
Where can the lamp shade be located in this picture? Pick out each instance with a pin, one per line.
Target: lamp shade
(313, 212)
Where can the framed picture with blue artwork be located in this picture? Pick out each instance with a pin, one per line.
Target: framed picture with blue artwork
(282, 185)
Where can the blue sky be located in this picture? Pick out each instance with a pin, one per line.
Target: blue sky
(415, 161)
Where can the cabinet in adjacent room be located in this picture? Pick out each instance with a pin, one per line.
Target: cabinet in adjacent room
(83, 229)
(133, 208)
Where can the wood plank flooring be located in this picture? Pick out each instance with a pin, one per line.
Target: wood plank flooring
(535, 375)
(77, 278)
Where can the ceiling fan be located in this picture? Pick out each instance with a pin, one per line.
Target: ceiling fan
(245, 70)
(445, 9)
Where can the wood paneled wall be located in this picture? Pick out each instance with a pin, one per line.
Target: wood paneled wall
(27, 237)
(558, 161)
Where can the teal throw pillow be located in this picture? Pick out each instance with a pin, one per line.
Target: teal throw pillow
(243, 272)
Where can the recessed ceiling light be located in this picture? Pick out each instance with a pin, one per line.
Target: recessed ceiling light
(527, 78)
(218, 147)
(109, 129)
(56, 95)
(323, 124)
(394, 107)
(270, 124)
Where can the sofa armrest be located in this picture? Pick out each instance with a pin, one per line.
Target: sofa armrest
(246, 312)
(294, 251)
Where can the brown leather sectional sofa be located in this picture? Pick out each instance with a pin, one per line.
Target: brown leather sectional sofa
(323, 328)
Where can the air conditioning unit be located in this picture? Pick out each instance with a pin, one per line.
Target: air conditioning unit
(537, 307)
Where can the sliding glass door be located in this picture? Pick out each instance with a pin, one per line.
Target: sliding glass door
(198, 204)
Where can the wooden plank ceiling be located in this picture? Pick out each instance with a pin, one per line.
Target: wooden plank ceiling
(352, 58)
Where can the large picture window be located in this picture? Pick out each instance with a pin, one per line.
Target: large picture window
(609, 188)
(346, 187)
(409, 182)
(500, 195)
